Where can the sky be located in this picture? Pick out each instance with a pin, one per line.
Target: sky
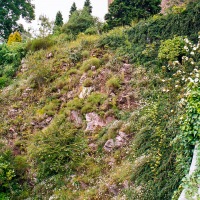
(51, 7)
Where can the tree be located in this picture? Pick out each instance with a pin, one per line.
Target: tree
(14, 37)
(78, 22)
(87, 5)
(46, 26)
(10, 12)
(122, 12)
(59, 19)
(73, 9)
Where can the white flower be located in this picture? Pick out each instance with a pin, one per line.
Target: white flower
(196, 80)
(194, 48)
(197, 75)
(185, 47)
(163, 80)
(192, 63)
(186, 40)
(192, 53)
(176, 86)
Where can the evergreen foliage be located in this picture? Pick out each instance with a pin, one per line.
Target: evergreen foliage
(72, 9)
(10, 13)
(59, 19)
(78, 22)
(123, 12)
(87, 5)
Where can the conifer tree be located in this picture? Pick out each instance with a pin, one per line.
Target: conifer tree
(73, 9)
(59, 19)
(87, 5)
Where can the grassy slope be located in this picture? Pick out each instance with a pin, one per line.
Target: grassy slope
(35, 121)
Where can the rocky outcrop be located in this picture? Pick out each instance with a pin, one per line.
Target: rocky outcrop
(94, 121)
(85, 92)
(74, 116)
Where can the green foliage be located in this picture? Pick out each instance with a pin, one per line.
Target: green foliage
(121, 13)
(114, 82)
(11, 56)
(87, 5)
(39, 43)
(58, 149)
(87, 64)
(59, 19)
(72, 9)
(172, 49)
(13, 171)
(114, 39)
(167, 26)
(78, 22)
(75, 104)
(15, 9)
(93, 101)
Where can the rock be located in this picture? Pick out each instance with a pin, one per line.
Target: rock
(49, 55)
(109, 145)
(110, 119)
(121, 139)
(85, 92)
(93, 146)
(94, 121)
(74, 116)
(83, 77)
(93, 68)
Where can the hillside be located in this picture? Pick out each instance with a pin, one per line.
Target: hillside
(105, 116)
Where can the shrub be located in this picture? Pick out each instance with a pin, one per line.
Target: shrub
(14, 37)
(172, 49)
(40, 43)
(87, 64)
(58, 149)
(114, 82)
(88, 82)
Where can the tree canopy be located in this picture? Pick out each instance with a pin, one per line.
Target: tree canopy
(59, 19)
(72, 9)
(87, 5)
(10, 12)
(122, 12)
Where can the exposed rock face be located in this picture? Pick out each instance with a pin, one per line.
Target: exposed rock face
(93, 121)
(74, 116)
(85, 92)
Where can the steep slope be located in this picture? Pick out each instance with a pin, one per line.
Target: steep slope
(101, 117)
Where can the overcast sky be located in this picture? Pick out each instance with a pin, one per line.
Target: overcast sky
(51, 7)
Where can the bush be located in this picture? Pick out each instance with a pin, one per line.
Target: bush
(87, 64)
(40, 43)
(14, 37)
(172, 49)
(114, 82)
(58, 149)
